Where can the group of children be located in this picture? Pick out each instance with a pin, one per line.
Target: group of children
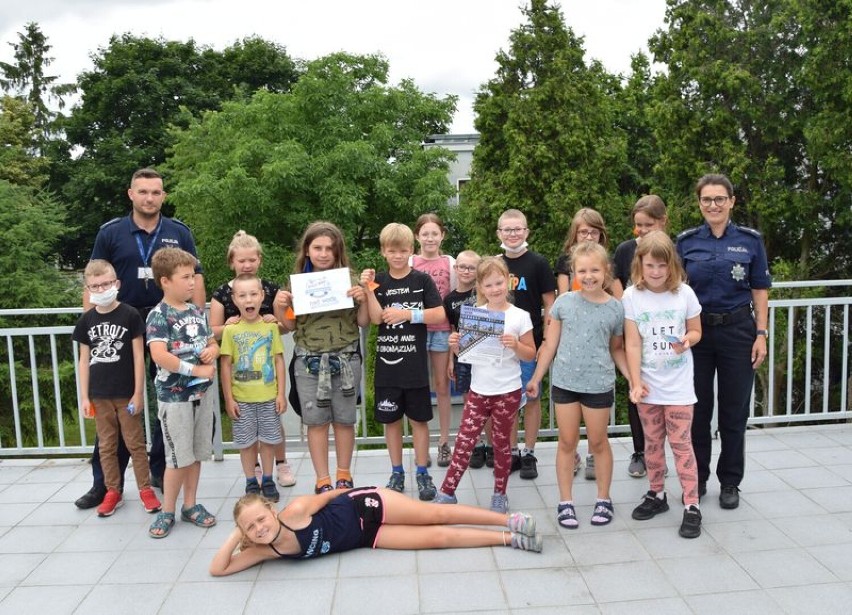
(581, 337)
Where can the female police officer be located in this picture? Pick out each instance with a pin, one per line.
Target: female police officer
(727, 268)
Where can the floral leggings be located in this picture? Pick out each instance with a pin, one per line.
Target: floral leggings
(676, 422)
(502, 410)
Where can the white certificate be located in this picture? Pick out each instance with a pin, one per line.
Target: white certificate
(321, 291)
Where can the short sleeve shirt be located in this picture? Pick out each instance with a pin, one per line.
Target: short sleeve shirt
(723, 270)
(185, 333)
(667, 374)
(110, 340)
(622, 261)
(453, 303)
(530, 277)
(583, 362)
(223, 296)
(504, 375)
(440, 270)
(252, 348)
(128, 247)
(401, 356)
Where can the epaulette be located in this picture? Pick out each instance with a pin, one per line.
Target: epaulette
(113, 221)
(175, 220)
(688, 233)
(750, 231)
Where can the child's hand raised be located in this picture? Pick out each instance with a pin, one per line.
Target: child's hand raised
(358, 294)
(368, 276)
(509, 341)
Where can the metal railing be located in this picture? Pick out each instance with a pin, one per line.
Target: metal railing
(806, 377)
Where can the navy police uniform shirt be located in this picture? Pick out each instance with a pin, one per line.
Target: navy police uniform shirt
(723, 270)
(129, 248)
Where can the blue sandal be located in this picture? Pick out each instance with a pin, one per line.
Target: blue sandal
(197, 515)
(603, 512)
(163, 524)
(566, 516)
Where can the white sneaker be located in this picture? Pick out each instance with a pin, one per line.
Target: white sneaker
(285, 475)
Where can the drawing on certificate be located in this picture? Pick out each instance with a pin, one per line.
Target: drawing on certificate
(321, 291)
(479, 336)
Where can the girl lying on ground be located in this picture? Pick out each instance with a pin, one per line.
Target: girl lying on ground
(336, 521)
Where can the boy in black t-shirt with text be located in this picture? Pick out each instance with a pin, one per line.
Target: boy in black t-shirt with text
(112, 377)
(402, 301)
(533, 290)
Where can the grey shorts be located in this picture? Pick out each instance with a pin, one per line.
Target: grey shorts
(343, 409)
(258, 422)
(187, 430)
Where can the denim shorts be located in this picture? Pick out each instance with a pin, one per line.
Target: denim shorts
(438, 341)
(527, 371)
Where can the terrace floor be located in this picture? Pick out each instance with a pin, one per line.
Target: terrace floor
(786, 549)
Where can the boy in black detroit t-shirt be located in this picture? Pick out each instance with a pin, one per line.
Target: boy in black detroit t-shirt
(402, 302)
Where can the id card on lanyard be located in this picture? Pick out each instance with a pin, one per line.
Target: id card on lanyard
(145, 272)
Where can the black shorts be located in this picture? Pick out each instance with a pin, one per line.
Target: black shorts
(370, 508)
(392, 403)
(590, 400)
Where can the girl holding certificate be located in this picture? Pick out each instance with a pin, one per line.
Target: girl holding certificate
(495, 389)
(327, 357)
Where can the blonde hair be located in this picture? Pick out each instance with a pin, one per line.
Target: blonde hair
(243, 503)
(243, 241)
(469, 254)
(591, 218)
(511, 213)
(98, 267)
(247, 277)
(166, 260)
(658, 245)
(487, 266)
(396, 235)
(592, 250)
(317, 229)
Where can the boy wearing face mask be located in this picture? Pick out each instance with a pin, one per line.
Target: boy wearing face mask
(112, 378)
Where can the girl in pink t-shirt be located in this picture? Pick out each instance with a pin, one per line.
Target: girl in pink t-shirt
(430, 232)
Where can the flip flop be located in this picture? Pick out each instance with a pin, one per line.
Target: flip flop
(198, 515)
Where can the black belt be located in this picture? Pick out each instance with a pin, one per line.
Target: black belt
(726, 318)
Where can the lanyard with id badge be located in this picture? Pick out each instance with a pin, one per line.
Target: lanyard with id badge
(145, 272)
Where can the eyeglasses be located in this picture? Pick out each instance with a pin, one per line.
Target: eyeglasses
(513, 231)
(707, 201)
(96, 288)
(589, 232)
(467, 268)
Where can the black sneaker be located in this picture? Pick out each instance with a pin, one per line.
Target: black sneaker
(650, 507)
(270, 492)
(93, 497)
(729, 497)
(528, 469)
(477, 458)
(516, 463)
(426, 488)
(691, 525)
(489, 457)
(252, 486)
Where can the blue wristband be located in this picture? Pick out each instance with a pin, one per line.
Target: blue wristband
(416, 317)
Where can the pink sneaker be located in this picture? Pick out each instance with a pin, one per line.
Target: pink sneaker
(149, 500)
(285, 475)
(112, 500)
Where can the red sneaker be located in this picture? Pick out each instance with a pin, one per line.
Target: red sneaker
(149, 500)
(112, 500)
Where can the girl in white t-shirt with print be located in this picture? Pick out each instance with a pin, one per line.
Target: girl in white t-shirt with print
(662, 322)
(495, 388)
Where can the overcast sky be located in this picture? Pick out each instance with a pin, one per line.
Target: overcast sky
(446, 46)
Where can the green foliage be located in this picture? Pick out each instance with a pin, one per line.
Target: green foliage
(342, 145)
(138, 89)
(760, 90)
(26, 79)
(549, 141)
(31, 224)
(19, 163)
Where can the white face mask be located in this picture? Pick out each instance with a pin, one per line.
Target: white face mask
(515, 250)
(105, 298)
